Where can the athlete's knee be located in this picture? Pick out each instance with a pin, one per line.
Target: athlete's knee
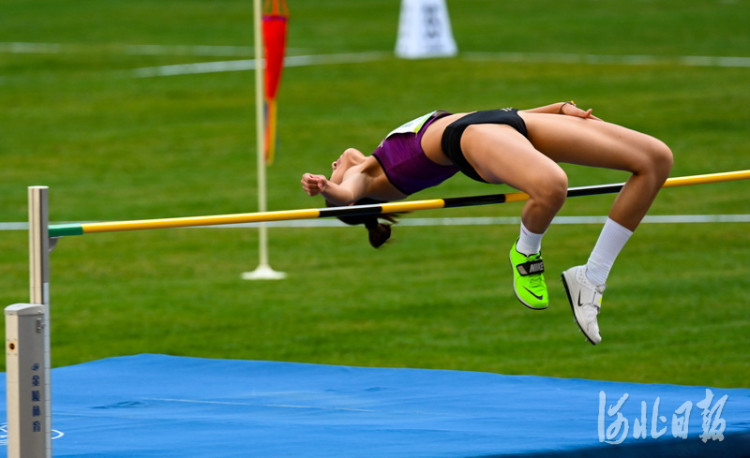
(550, 188)
(656, 160)
(662, 159)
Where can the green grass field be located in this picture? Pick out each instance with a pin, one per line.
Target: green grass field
(112, 146)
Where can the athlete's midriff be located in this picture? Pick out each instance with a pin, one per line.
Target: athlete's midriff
(405, 163)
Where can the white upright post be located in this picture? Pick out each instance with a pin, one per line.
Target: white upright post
(264, 270)
(28, 345)
(424, 30)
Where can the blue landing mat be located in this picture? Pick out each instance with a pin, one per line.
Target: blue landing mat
(165, 406)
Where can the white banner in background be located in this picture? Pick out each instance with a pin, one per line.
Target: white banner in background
(424, 30)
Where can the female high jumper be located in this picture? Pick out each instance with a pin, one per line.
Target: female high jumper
(520, 148)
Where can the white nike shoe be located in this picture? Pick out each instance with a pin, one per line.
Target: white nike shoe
(585, 299)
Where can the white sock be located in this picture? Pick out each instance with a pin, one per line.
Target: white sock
(529, 242)
(611, 241)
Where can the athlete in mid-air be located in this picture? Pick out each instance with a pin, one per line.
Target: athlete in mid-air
(520, 148)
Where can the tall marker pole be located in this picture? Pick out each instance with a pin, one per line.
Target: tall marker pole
(264, 270)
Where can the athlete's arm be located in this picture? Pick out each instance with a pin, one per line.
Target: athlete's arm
(565, 108)
(348, 192)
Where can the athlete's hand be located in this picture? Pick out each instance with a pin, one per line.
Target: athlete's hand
(572, 110)
(587, 114)
(314, 184)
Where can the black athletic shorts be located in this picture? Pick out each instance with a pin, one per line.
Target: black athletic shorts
(451, 141)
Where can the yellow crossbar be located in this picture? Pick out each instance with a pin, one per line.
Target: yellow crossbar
(390, 207)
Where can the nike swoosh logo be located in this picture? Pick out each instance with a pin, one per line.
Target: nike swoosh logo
(538, 297)
(580, 304)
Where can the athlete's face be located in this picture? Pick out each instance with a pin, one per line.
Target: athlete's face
(347, 159)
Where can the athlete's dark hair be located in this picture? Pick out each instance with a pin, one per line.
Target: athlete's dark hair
(378, 233)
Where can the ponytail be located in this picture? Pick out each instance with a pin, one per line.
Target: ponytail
(378, 233)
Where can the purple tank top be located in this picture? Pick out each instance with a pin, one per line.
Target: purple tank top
(403, 160)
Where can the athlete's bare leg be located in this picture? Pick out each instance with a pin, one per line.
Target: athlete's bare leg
(601, 144)
(500, 154)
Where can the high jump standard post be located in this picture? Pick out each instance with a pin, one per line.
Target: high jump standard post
(27, 340)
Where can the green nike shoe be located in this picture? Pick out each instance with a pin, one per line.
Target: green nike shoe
(528, 279)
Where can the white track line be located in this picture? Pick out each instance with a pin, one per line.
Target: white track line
(250, 64)
(610, 59)
(468, 221)
(138, 50)
(299, 61)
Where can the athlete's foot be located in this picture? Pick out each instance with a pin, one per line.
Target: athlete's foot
(528, 279)
(585, 300)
